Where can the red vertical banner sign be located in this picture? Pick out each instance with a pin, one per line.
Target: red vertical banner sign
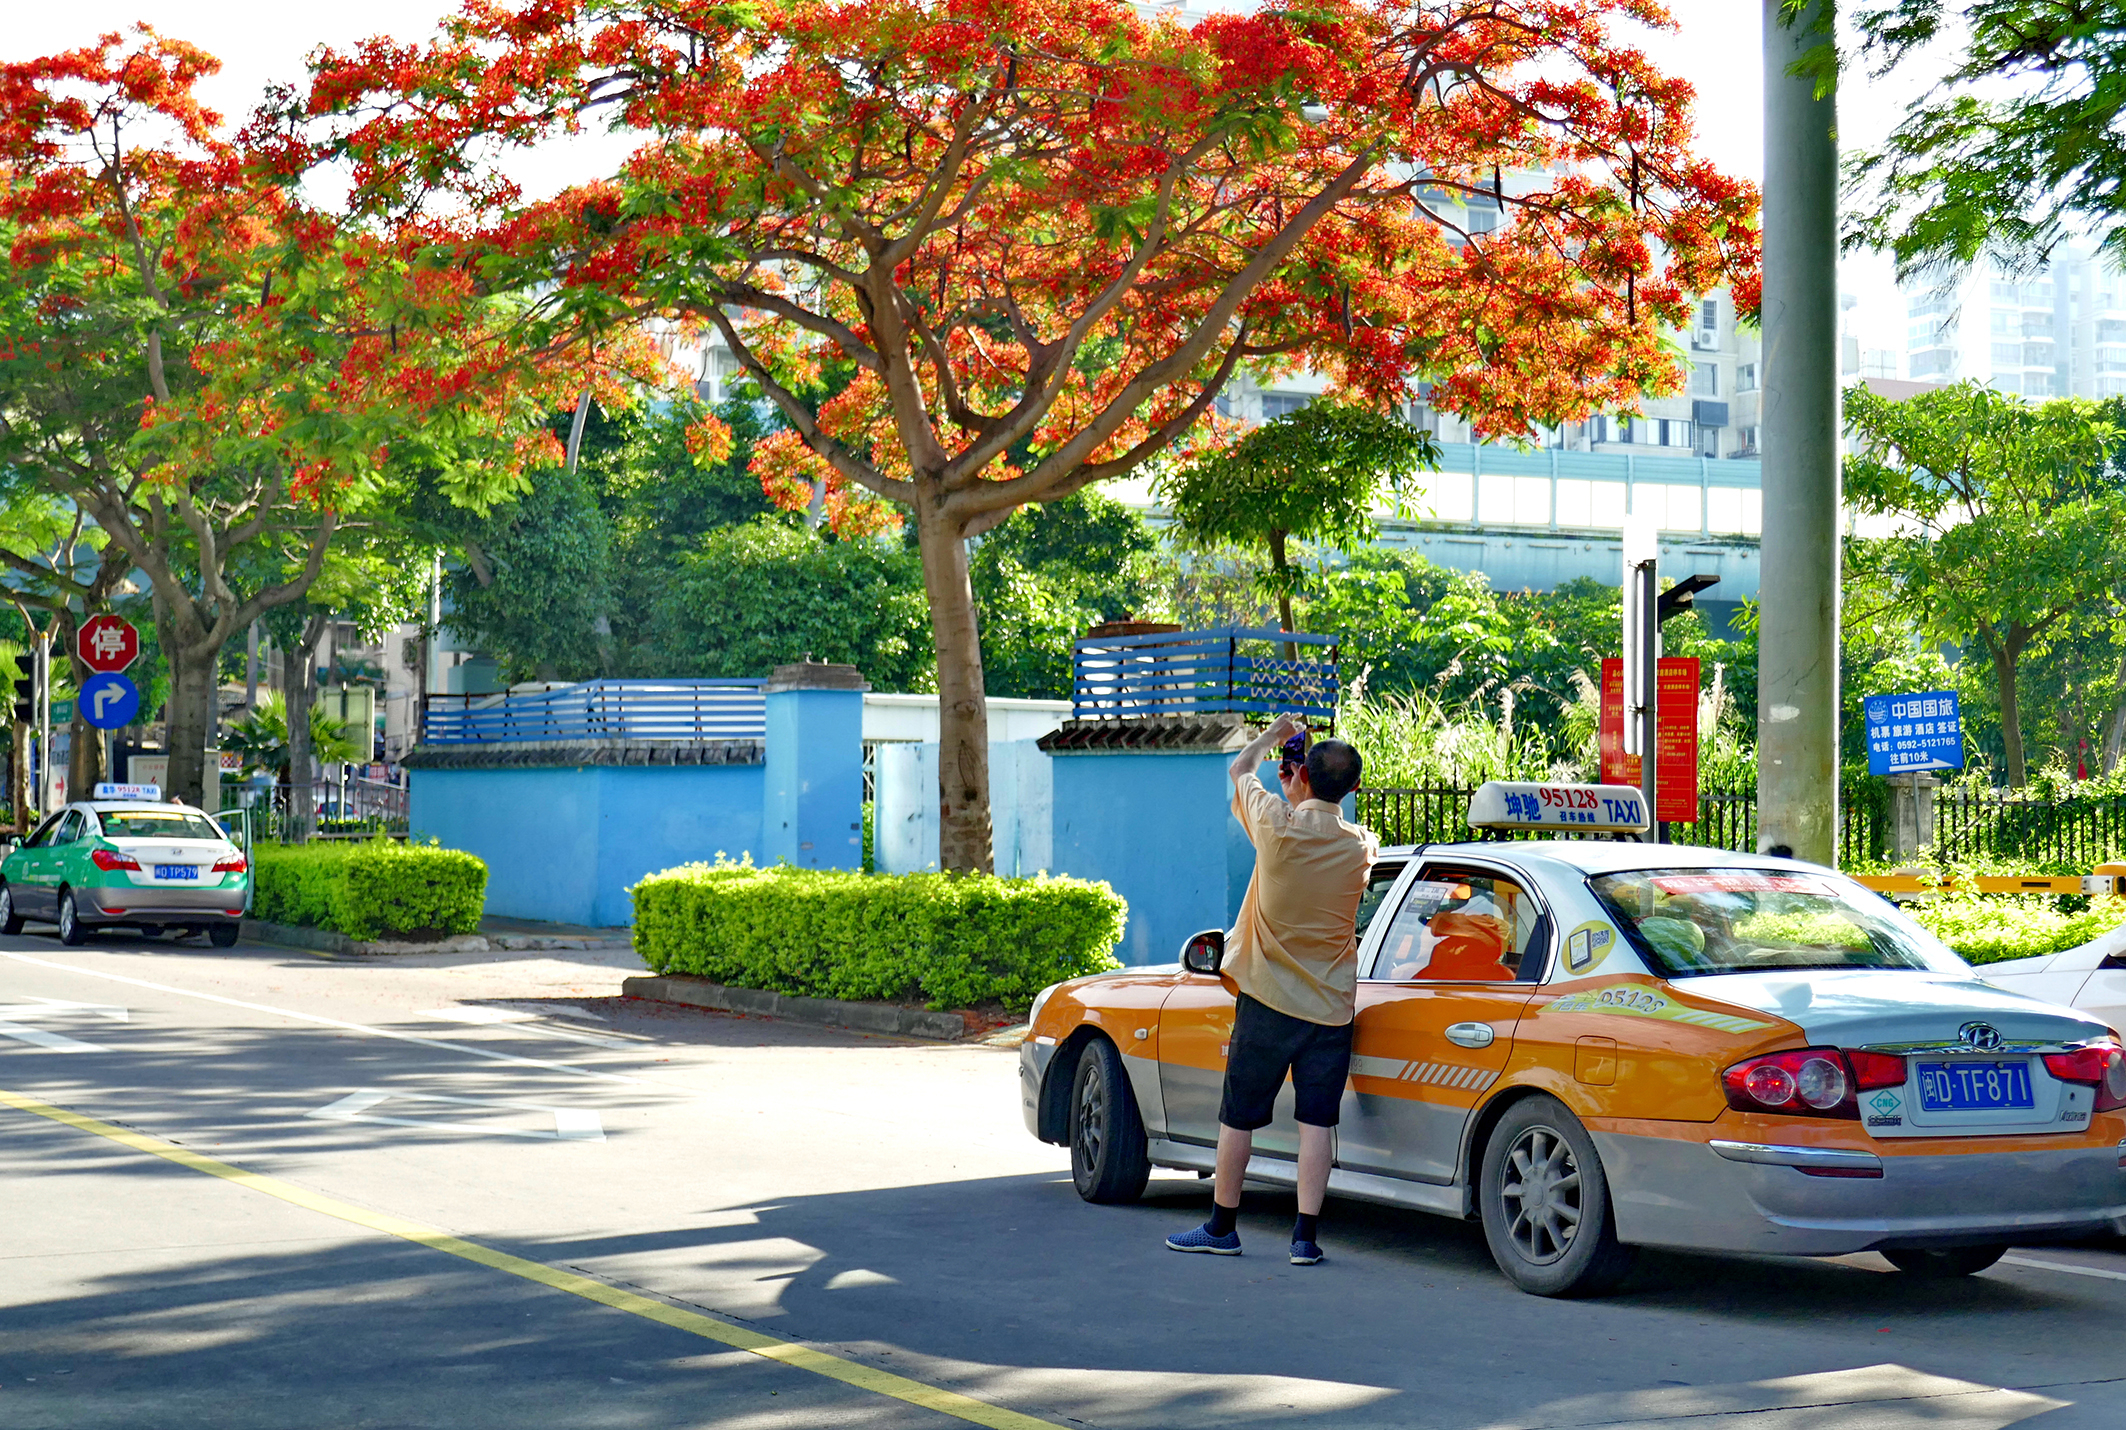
(1676, 695)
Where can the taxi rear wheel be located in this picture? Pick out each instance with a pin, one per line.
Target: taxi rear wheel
(1109, 1159)
(10, 916)
(71, 930)
(222, 935)
(1545, 1204)
(1944, 1263)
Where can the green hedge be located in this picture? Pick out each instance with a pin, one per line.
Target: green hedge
(1992, 928)
(948, 940)
(370, 890)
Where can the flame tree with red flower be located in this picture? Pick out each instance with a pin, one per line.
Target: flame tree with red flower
(1046, 232)
(227, 377)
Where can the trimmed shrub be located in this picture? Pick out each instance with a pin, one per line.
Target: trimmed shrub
(947, 940)
(371, 890)
(1992, 928)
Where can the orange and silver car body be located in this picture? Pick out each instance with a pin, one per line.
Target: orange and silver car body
(1639, 1058)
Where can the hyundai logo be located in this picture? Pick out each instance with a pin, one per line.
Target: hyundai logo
(1982, 1036)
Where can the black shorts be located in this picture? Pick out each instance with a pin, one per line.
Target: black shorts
(1265, 1045)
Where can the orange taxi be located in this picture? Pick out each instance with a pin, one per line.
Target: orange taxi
(1596, 1044)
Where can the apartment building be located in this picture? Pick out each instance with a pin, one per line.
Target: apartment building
(2057, 333)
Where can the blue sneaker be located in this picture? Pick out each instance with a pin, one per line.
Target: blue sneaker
(1200, 1239)
(1305, 1253)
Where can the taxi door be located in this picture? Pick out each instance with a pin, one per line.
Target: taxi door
(1195, 1027)
(1458, 961)
(37, 876)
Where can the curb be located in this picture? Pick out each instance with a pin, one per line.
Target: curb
(829, 1012)
(328, 941)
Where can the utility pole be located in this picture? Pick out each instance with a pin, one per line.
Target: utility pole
(1797, 699)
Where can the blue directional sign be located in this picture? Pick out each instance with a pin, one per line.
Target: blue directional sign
(108, 700)
(1907, 733)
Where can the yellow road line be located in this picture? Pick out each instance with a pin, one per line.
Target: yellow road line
(833, 1367)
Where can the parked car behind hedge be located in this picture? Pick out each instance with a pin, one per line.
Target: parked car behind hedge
(948, 940)
(371, 890)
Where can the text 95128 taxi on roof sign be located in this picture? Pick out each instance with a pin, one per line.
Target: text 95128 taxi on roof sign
(1594, 1045)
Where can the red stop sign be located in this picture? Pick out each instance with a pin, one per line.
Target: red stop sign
(107, 643)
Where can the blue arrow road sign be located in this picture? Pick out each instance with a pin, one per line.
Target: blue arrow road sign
(109, 700)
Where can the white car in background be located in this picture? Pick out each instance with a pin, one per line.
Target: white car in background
(2091, 978)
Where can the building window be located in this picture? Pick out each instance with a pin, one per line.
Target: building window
(2007, 355)
(1749, 442)
(1746, 377)
(1283, 404)
(1705, 336)
(1708, 441)
(1705, 381)
(1674, 432)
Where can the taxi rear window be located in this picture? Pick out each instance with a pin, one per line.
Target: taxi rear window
(156, 824)
(1688, 921)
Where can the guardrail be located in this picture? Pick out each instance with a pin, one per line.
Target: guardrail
(1179, 673)
(689, 710)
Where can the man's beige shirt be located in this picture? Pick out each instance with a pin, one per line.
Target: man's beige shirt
(1294, 948)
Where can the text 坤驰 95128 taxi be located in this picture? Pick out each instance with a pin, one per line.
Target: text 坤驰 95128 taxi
(1595, 1044)
(126, 859)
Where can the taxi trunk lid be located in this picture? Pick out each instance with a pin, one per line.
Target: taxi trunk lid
(1973, 1052)
(197, 855)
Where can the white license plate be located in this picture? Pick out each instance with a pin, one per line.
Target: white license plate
(177, 871)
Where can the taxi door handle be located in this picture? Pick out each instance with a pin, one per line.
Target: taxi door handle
(1471, 1035)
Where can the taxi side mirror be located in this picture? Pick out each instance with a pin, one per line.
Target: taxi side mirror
(1203, 952)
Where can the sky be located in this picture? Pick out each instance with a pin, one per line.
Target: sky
(1717, 45)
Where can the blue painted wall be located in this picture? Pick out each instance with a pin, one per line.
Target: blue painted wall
(1159, 828)
(563, 844)
(813, 816)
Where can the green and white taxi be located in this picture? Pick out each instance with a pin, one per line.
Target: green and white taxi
(126, 859)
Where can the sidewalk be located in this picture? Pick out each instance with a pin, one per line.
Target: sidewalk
(532, 933)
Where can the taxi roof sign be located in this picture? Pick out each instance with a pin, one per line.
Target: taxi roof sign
(1583, 809)
(116, 791)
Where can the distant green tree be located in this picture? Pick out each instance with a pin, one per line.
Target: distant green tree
(1048, 572)
(1314, 475)
(1973, 167)
(2009, 522)
(749, 598)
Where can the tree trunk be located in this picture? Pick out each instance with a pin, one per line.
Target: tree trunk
(301, 696)
(18, 786)
(190, 720)
(2011, 727)
(963, 710)
(1281, 575)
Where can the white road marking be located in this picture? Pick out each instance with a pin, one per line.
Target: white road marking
(56, 1042)
(571, 1124)
(64, 1006)
(523, 1023)
(2034, 1264)
(849, 1280)
(320, 1020)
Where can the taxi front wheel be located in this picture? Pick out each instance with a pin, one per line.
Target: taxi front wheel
(10, 916)
(1545, 1204)
(1109, 1159)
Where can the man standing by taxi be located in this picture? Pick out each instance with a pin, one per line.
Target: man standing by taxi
(1293, 956)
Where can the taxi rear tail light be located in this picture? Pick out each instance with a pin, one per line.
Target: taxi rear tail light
(1803, 1082)
(112, 859)
(2100, 1065)
(1873, 1070)
(234, 864)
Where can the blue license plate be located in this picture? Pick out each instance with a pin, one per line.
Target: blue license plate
(177, 871)
(1974, 1086)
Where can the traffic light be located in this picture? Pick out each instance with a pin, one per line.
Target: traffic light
(26, 688)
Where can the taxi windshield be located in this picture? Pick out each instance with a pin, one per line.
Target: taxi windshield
(156, 824)
(1690, 921)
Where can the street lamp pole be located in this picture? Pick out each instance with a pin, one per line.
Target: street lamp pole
(1797, 700)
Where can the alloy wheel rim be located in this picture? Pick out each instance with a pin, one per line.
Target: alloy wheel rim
(1541, 1194)
(1092, 1120)
(66, 915)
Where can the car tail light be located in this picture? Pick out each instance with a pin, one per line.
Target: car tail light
(2102, 1065)
(112, 859)
(1873, 1070)
(234, 864)
(1805, 1082)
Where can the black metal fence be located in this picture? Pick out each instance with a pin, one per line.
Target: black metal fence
(2077, 832)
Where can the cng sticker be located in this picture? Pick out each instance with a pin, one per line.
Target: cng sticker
(1632, 1000)
(1588, 945)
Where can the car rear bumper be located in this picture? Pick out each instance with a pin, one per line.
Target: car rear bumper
(1683, 1193)
(143, 901)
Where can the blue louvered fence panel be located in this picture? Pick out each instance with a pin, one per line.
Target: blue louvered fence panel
(1230, 669)
(603, 710)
